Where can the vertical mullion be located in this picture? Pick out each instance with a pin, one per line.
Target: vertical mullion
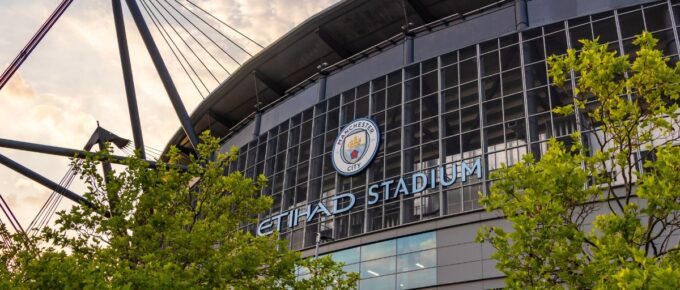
(480, 103)
(671, 14)
(440, 124)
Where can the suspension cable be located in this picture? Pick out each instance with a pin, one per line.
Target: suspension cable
(199, 30)
(225, 24)
(161, 29)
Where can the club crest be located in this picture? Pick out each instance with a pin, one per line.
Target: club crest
(356, 146)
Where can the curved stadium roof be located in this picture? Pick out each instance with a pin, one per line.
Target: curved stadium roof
(340, 35)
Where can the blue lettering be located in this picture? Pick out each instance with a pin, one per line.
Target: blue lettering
(418, 186)
(374, 195)
(466, 170)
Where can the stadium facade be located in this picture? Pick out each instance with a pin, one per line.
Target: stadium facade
(381, 152)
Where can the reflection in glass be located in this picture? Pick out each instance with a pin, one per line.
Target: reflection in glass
(416, 242)
(378, 250)
(377, 268)
(378, 283)
(417, 279)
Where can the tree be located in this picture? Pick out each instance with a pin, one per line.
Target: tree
(602, 211)
(164, 228)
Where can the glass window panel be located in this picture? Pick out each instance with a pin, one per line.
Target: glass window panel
(631, 24)
(452, 148)
(605, 30)
(379, 250)
(550, 28)
(379, 83)
(657, 18)
(393, 96)
(411, 159)
(513, 106)
(471, 144)
(378, 99)
(450, 76)
(450, 99)
(493, 113)
(532, 33)
(556, 43)
(417, 279)
(378, 283)
(490, 63)
(561, 96)
(471, 197)
(536, 75)
(430, 107)
(449, 58)
(393, 118)
(412, 70)
(392, 214)
(429, 83)
(430, 206)
(411, 89)
(467, 52)
(494, 138)
(512, 82)
(393, 141)
(417, 260)
(533, 51)
(540, 127)
(356, 223)
(377, 167)
(412, 135)
(412, 112)
(510, 57)
(429, 65)
(509, 39)
(347, 113)
(306, 131)
(578, 33)
(361, 109)
(392, 163)
(375, 218)
(666, 42)
(491, 87)
(470, 119)
(410, 208)
(377, 268)
(454, 201)
(430, 130)
(468, 70)
(332, 119)
(515, 133)
(538, 101)
(469, 94)
(488, 45)
(451, 123)
(348, 256)
(430, 154)
(417, 242)
(394, 77)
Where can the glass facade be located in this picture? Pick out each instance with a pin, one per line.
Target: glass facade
(403, 263)
(492, 100)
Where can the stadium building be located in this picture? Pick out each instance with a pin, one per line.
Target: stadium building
(378, 122)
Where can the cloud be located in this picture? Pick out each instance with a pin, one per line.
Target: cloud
(73, 78)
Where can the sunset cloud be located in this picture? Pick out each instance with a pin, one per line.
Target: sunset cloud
(73, 79)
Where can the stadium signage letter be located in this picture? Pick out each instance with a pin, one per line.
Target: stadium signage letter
(391, 189)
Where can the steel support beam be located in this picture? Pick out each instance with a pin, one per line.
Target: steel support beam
(127, 77)
(163, 72)
(44, 181)
(60, 151)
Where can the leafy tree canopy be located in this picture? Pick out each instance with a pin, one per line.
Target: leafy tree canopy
(164, 228)
(601, 210)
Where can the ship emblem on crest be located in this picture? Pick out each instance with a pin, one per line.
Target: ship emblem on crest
(355, 146)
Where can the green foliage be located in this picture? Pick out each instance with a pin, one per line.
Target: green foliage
(165, 228)
(595, 216)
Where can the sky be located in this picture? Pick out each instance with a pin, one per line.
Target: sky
(73, 79)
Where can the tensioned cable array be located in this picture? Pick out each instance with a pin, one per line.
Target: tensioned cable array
(192, 34)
